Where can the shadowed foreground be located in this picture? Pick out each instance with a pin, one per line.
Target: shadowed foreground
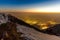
(12, 28)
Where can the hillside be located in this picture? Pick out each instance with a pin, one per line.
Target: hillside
(21, 30)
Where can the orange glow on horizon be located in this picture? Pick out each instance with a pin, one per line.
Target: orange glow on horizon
(38, 11)
(27, 11)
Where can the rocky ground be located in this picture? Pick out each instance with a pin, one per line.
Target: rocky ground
(11, 30)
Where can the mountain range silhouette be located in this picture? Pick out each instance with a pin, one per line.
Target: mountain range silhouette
(55, 30)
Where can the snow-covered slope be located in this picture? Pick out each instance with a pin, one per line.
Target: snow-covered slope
(3, 18)
(29, 32)
(32, 33)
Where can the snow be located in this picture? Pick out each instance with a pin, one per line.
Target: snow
(32, 33)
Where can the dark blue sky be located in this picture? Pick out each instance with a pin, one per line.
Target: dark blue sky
(29, 4)
(22, 2)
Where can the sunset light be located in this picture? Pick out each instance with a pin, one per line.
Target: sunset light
(52, 8)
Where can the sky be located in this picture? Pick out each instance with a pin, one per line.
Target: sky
(31, 5)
